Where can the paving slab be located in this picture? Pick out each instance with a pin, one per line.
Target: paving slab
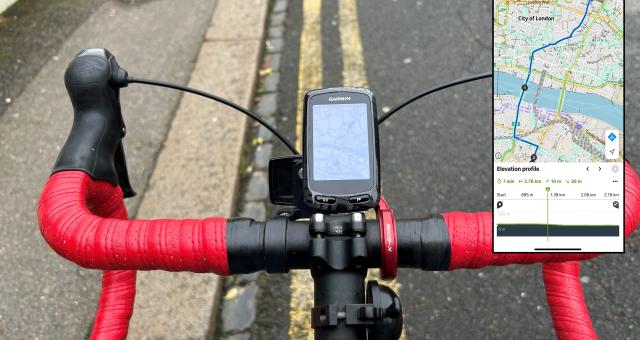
(21, 58)
(246, 22)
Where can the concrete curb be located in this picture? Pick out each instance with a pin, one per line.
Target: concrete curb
(196, 174)
(239, 306)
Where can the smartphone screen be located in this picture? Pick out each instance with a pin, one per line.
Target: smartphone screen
(558, 126)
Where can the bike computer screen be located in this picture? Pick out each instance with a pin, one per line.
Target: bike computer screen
(341, 150)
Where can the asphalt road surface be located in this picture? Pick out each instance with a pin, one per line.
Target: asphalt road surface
(436, 157)
(47, 24)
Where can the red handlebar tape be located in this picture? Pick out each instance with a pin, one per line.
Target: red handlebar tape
(115, 305)
(68, 221)
(566, 303)
(84, 220)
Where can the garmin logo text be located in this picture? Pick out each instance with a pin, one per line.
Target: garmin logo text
(335, 99)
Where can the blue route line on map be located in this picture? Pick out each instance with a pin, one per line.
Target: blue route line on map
(515, 124)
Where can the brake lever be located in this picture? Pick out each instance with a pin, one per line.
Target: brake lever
(93, 80)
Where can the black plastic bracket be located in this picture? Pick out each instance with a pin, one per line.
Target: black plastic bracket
(93, 80)
(324, 316)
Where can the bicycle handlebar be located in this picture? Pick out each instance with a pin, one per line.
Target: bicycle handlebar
(72, 219)
(566, 303)
(84, 220)
(83, 217)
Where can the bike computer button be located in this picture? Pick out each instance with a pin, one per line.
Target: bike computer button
(359, 199)
(325, 200)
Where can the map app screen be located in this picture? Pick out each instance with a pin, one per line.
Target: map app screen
(340, 142)
(558, 126)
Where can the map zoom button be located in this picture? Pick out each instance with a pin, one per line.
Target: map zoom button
(358, 199)
(325, 199)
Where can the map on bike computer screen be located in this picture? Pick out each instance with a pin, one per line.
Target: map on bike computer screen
(558, 126)
(340, 142)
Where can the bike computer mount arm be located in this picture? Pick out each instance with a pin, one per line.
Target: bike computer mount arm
(338, 248)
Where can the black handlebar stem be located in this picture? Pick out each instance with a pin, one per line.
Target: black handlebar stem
(338, 249)
(282, 244)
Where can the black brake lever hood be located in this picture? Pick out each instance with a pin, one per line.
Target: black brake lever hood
(94, 144)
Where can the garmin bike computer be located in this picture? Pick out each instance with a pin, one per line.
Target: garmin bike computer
(340, 156)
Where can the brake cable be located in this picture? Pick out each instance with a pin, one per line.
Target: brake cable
(435, 89)
(221, 100)
(271, 128)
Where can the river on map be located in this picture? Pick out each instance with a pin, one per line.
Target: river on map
(587, 104)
